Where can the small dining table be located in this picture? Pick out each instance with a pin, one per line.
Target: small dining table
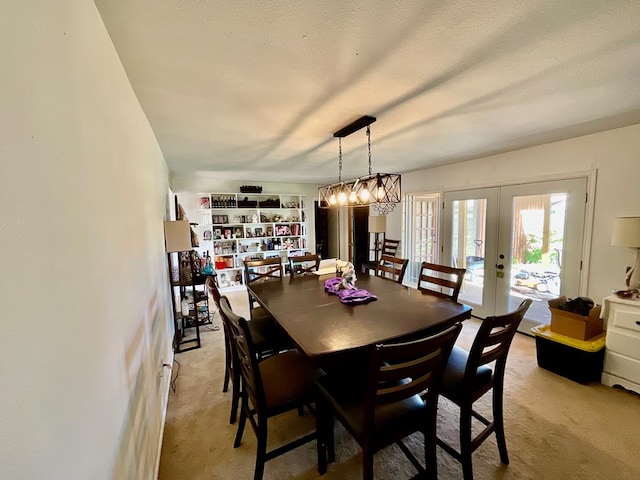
(320, 325)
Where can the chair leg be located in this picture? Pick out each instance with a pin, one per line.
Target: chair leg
(225, 386)
(321, 437)
(235, 398)
(261, 453)
(331, 443)
(465, 442)
(430, 455)
(227, 364)
(367, 463)
(241, 423)
(498, 421)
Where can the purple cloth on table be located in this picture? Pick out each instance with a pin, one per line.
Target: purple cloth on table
(348, 295)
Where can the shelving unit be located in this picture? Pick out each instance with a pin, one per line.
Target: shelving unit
(239, 225)
(187, 282)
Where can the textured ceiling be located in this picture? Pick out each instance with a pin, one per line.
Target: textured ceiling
(253, 90)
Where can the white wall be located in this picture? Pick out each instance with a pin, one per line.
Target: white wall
(614, 155)
(83, 293)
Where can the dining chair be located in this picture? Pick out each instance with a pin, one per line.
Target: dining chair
(441, 280)
(259, 270)
(391, 268)
(268, 337)
(389, 247)
(395, 398)
(467, 378)
(277, 384)
(302, 264)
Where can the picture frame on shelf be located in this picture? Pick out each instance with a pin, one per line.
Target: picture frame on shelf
(206, 235)
(238, 232)
(282, 230)
(257, 232)
(227, 233)
(217, 233)
(269, 231)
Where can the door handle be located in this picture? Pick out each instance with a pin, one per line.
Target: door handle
(499, 266)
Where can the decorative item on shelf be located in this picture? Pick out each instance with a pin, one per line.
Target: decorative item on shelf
(204, 202)
(250, 189)
(207, 235)
(246, 203)
(382, 191)
(220, 219)
(269, 203)
(184, 307)
(208, 266)
(626, 233)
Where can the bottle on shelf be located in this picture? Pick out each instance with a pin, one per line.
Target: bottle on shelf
(184, 307)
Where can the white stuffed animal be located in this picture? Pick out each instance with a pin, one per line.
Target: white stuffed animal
(348, 277)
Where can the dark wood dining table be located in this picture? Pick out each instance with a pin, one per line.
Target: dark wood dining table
(321, 325)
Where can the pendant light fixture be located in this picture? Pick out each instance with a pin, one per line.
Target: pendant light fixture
(382, 191)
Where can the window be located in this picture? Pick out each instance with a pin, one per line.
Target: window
(422, 232)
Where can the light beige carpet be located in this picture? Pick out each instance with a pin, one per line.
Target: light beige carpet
(556, 428)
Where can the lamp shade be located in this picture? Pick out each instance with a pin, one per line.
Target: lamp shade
(626, 232)
(377, 223)
(177, 236)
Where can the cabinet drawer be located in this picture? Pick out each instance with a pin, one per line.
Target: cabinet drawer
(623, 342)
(621, 366)
(626, 317)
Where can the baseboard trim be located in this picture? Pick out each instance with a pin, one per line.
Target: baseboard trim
(164, 416)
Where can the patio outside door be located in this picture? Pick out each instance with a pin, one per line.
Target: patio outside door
(516, 242)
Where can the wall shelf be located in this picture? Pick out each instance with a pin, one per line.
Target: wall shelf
(235, 226)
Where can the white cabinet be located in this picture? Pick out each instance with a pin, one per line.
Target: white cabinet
(622, 355)
(239, 225)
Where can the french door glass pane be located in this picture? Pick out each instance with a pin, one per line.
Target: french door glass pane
(537, 244)
(423, 233)
(469, 225)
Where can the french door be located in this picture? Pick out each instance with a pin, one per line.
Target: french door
(516, 242)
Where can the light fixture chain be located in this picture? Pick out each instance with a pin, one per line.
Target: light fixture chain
(340, 157)
(369, 146)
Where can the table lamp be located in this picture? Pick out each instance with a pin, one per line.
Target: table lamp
(626, 233)
(377, 225)
(177, 235)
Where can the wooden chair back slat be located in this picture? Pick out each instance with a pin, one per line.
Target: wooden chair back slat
(301, 264)
(392, 268)
(441, 280)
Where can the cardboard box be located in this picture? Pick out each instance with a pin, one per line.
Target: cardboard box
(574, 325)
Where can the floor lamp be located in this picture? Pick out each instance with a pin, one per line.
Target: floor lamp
(377, 226)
